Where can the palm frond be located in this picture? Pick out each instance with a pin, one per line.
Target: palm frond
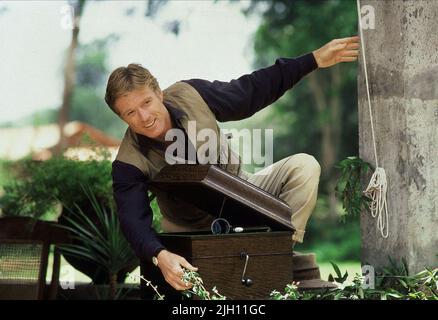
(102, 241)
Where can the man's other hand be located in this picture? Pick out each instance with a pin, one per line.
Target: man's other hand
(337, 50)
(171, 265)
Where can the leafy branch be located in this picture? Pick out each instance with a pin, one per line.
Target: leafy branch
(149, 284)
(349, 187)
(198, 287)
(393, 284)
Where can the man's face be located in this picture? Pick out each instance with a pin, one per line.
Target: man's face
(143, 110)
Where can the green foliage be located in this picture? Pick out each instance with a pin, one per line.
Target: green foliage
(101, 242)
(328, 237)
(157, 216)
(290, 28)
(349, 187)
(5, 174)
(39, 185)
(198, 288)
(88, 104)
(422, 286)
(290, 293)
(339, 277)
(350, 292)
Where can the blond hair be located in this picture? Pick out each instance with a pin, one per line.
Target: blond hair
(127, 79)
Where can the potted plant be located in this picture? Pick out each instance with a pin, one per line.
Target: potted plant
(101, 243)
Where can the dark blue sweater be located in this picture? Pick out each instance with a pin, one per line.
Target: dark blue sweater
(238, 99)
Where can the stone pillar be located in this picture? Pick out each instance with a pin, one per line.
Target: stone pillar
(402, 60)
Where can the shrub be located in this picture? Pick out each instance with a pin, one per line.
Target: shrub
(393, 284)
(41, 183)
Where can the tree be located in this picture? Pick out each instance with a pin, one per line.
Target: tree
(88, 75)
(69, 72)
(88, 104)
(319, 113)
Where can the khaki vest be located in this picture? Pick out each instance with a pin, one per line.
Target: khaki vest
(185, 98)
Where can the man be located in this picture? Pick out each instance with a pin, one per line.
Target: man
(135, 96)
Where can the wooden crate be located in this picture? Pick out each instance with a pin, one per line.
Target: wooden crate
(221, 260)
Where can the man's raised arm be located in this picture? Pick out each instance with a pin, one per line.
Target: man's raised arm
(241, 98)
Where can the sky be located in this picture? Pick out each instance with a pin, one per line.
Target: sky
(214, 44)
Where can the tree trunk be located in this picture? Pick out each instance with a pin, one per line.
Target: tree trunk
(330, 127)
(402, 63)
(69, 79)
(336, 129)
(327, 156)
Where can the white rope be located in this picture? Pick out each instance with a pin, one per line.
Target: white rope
(376, 190)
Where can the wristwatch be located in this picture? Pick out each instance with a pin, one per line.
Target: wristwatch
(155, 261)
(154, 258)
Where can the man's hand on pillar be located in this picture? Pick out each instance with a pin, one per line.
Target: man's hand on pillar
(171, 265)
(337, 50)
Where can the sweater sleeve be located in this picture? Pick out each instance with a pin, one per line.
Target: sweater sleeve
(241, 98)
(130, 189)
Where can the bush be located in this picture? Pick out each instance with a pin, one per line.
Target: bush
(41, 184)
(393, 284)
(5, 175)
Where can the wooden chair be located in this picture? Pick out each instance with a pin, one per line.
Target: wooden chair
(24, 256)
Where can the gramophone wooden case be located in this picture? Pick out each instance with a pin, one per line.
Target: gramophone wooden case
(244, 265)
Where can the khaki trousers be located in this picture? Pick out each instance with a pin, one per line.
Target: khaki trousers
(293, 179)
